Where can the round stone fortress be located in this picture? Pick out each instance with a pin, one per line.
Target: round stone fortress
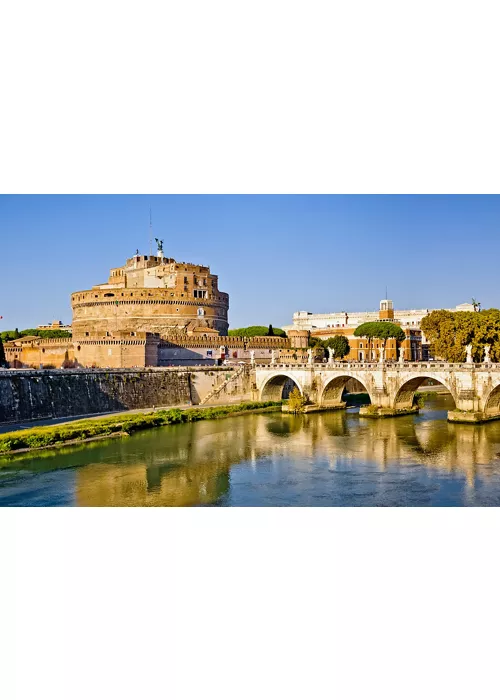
(152, 294)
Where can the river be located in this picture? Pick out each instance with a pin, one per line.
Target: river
(272, 459)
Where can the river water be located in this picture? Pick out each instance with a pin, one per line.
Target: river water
(272, 459)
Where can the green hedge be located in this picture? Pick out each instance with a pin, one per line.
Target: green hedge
(131, 423)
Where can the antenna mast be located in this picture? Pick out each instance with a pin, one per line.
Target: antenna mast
(150, 234)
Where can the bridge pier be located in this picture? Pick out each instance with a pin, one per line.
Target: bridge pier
(457, 416)
(372, 411)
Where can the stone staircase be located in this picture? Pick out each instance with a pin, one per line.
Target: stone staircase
(217, 389)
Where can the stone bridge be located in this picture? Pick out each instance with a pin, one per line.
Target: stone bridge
(391, 386)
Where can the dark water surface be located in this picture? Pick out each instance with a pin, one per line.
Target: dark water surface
(272, 459)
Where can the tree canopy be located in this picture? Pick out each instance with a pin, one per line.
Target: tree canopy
(13, 335)
(251, 331)
(448, 332)
(313, 341)
(339, 344)
(383, 330)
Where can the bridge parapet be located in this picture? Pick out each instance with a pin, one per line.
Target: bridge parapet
(492, 366)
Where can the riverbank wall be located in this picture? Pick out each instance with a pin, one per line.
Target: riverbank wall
(39, 394)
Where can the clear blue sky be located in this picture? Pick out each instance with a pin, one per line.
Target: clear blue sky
(274, 254)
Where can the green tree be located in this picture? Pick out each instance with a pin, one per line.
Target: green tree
(448, 333)
(382, 330)
(366, 330)
(386, 330)
(3, 361)
(7, 335)
(313, 341)
(251, 331)
(339, 344)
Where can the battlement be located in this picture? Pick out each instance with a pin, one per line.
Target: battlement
(98, 295)
(117, 336)
(35, 340)
(217, 341)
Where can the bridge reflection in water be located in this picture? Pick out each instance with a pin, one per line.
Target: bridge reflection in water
(333, 458)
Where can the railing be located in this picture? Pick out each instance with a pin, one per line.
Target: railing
(373, 366)
(217, 389)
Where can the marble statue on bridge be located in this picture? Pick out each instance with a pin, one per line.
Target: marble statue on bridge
(487, 358)
(401, 354)
(310, 356)
(468, 349)
(331, 356)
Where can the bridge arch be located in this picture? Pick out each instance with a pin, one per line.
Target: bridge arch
(492, 402)
(334, 388)
(405, 393)
(275, 386)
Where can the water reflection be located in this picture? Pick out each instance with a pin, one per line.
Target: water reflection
(333, 458)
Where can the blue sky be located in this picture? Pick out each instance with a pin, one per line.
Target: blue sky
(274, 254)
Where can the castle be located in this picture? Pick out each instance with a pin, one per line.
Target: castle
(152, 294)
(152, 312)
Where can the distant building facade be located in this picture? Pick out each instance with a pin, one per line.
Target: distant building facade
(54, 326)
(325, 326)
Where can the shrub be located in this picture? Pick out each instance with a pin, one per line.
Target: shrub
(419, 400)
(296, 401)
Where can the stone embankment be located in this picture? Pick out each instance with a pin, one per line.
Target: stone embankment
(41, 394)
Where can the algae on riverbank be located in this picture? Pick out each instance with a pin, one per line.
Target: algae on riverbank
(123, 424)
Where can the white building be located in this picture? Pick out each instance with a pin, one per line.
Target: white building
(411, 318)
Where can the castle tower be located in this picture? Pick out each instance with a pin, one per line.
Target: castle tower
(152, 294)
(386, 312)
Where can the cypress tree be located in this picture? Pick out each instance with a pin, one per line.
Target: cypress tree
(3, 361)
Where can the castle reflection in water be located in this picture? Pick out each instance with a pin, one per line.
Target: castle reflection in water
(197, 463)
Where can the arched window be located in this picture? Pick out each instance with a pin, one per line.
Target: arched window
(201, 312)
